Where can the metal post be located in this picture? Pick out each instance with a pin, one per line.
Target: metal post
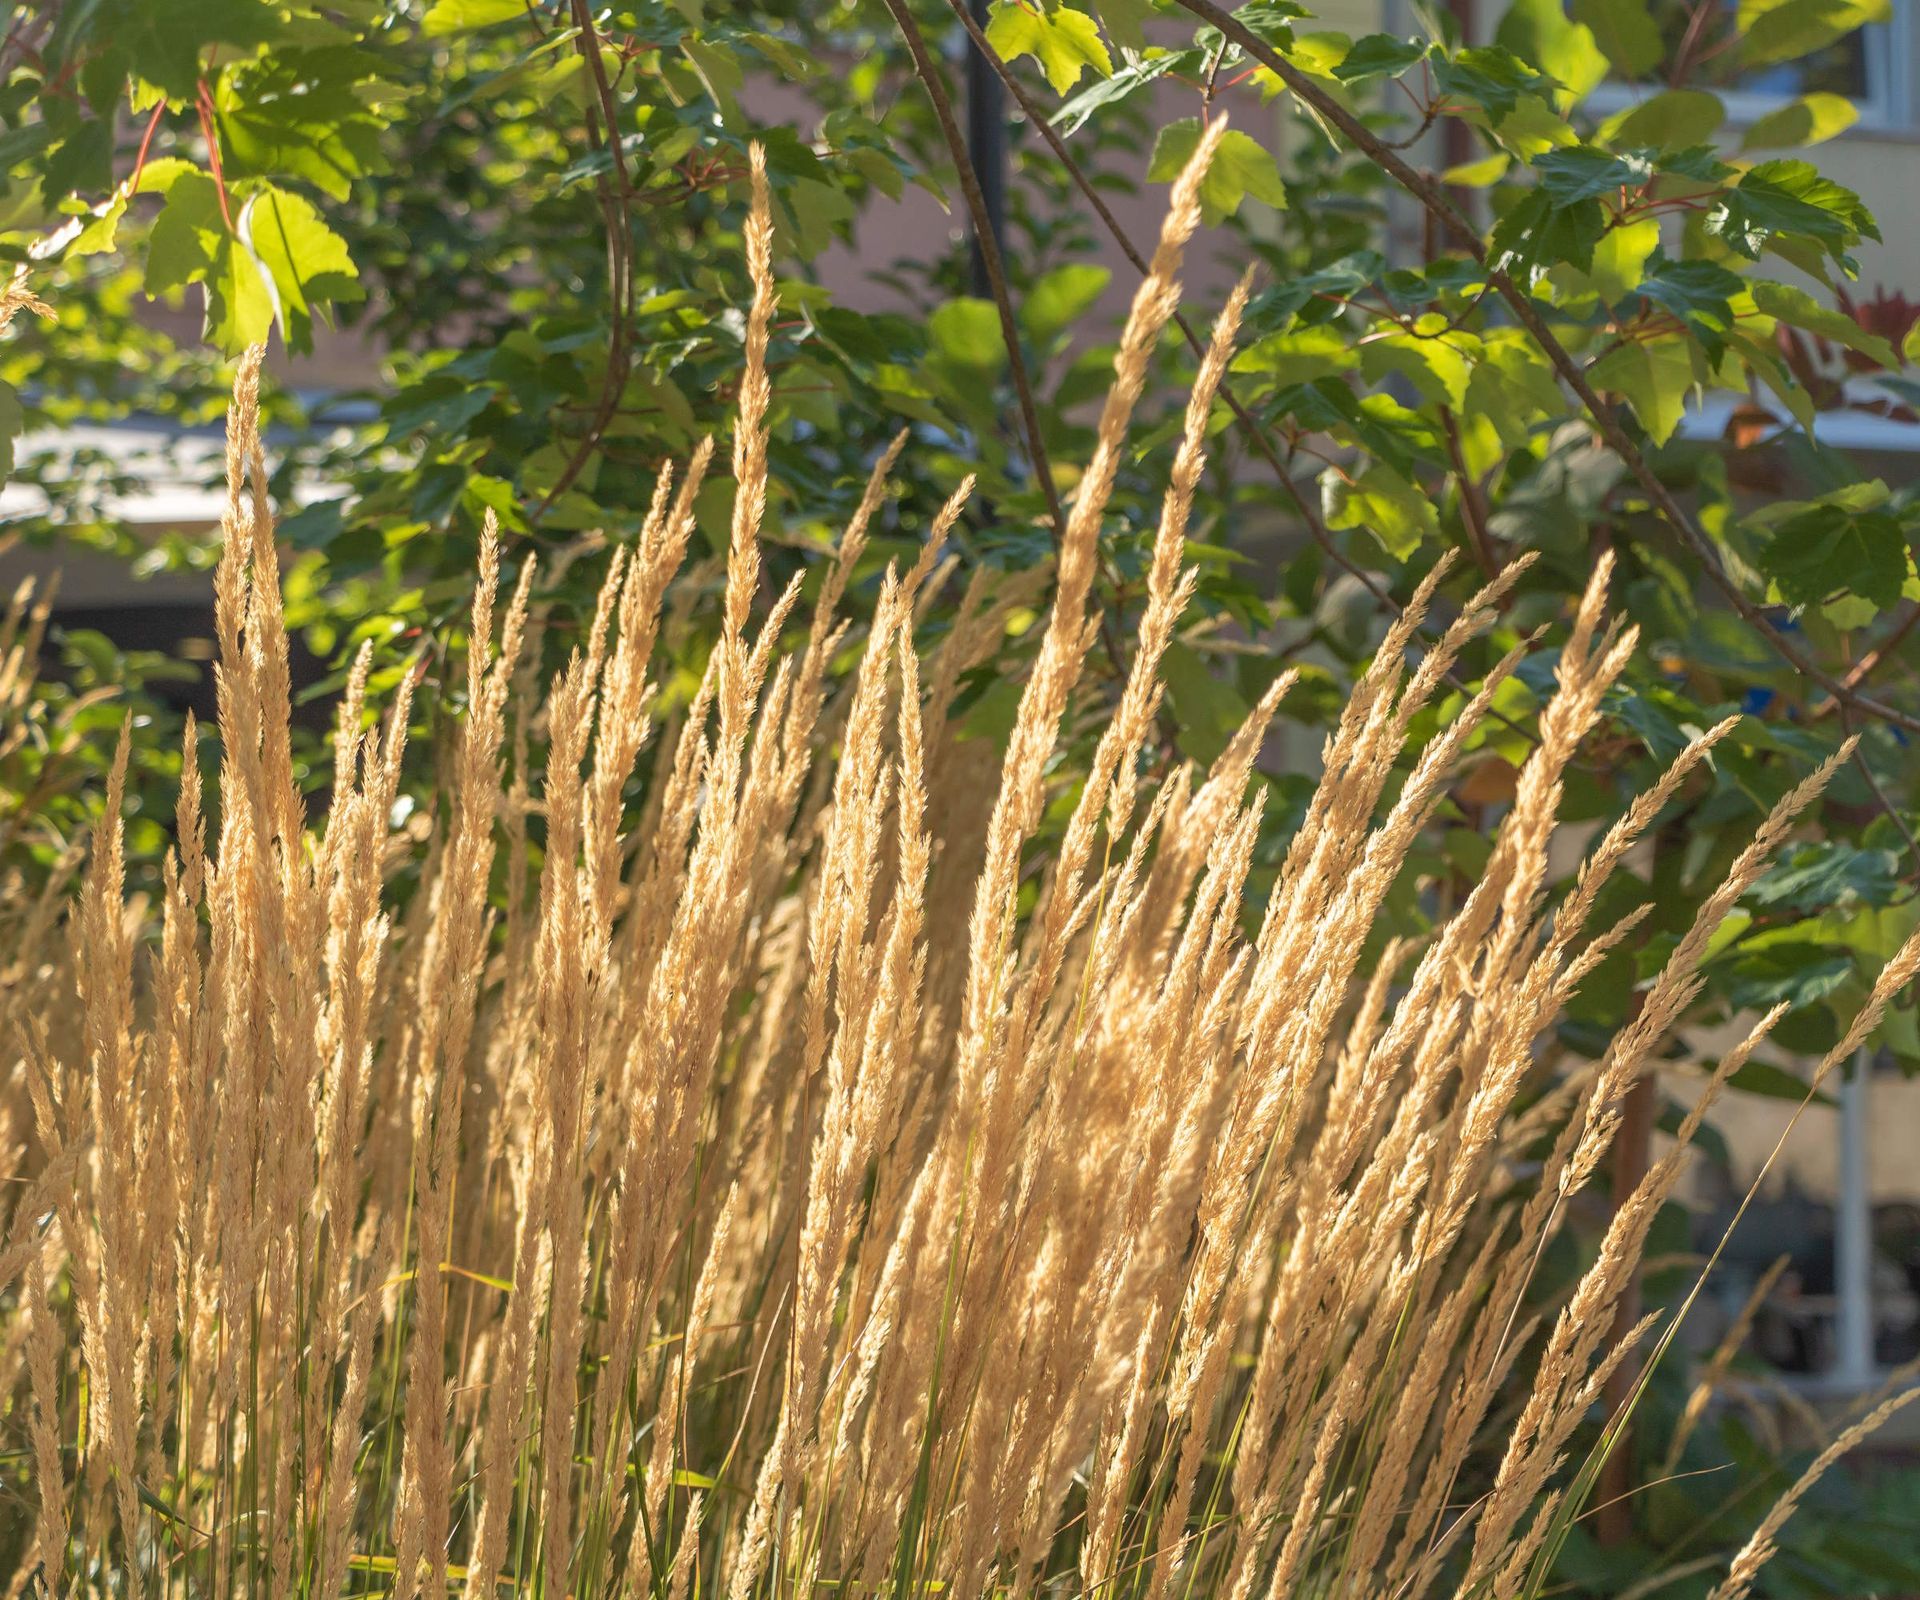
(1853, 1232)
(987, 148)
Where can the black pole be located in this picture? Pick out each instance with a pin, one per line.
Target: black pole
(987, 147)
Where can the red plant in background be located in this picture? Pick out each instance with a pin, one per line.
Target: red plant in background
(1822, 367)
(1889, 313)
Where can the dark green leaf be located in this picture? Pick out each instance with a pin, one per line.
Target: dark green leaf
(1791, 200)
(1378, 55)
(1699, 293)
(1774, 1083)
(1794, 972)
(1828, 872)
(1491, 78)
(1828, 548)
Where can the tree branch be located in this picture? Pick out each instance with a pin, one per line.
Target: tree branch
(1473, 509)
(1872, 661)
(929, 74)
(1434, 198)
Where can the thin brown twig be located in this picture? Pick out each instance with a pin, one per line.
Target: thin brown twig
(612, 198)
(929, 74)
(1527, 313)
(1879, 794)
(1473, 507)
(1872, 661)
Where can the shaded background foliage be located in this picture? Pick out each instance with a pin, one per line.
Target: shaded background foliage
(529, 214)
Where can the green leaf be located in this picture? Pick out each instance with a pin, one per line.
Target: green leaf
(1380, 500)
(81, 163)
(1790, 199)
(1126, 21)
(307, 260)
(1206, 710)
(1673, 119)
(1299, 355)
(1654, 376)
(1340, 279)
(1773, 1083)
(1493, 79)
(1795, 971)
(1379, 55)
(811, 215)
(1785, 30)
(1064, 41)
(164, 39)
(1481, 174)
(191, 244)
(19, 146)
(300, 118)
(1801, 310)
(965, 334)
(1433, 365)
(1582, 172)
(157, 176)
(97, 237)
(1061, 297)
(1625, 31)
(1812, 119)
(13, 419)
(1538, 232)
(1541, 32)
(1074, 115)
(1700, 294)
(1819, 873)
(1514, 387)
(720, 70)
(461, 16)
(1241, 167)
(1830, 547)
(1619, 262)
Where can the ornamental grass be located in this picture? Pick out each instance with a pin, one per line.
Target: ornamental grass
(756, 1156)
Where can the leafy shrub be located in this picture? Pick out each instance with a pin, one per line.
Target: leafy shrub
(803, 1183)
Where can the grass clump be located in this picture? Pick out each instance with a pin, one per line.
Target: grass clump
(762, 1195)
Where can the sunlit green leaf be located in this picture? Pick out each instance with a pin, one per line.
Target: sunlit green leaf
(1241, 167)
(1625, 31)
(1780, 30)
(1396, 512)
(1064, 41)
(460, 16)
(965, 334)
(1655, 376)
(1670, 120)
(1812, 119)
(306, 260)
(1799, 309)
(1059, 298)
